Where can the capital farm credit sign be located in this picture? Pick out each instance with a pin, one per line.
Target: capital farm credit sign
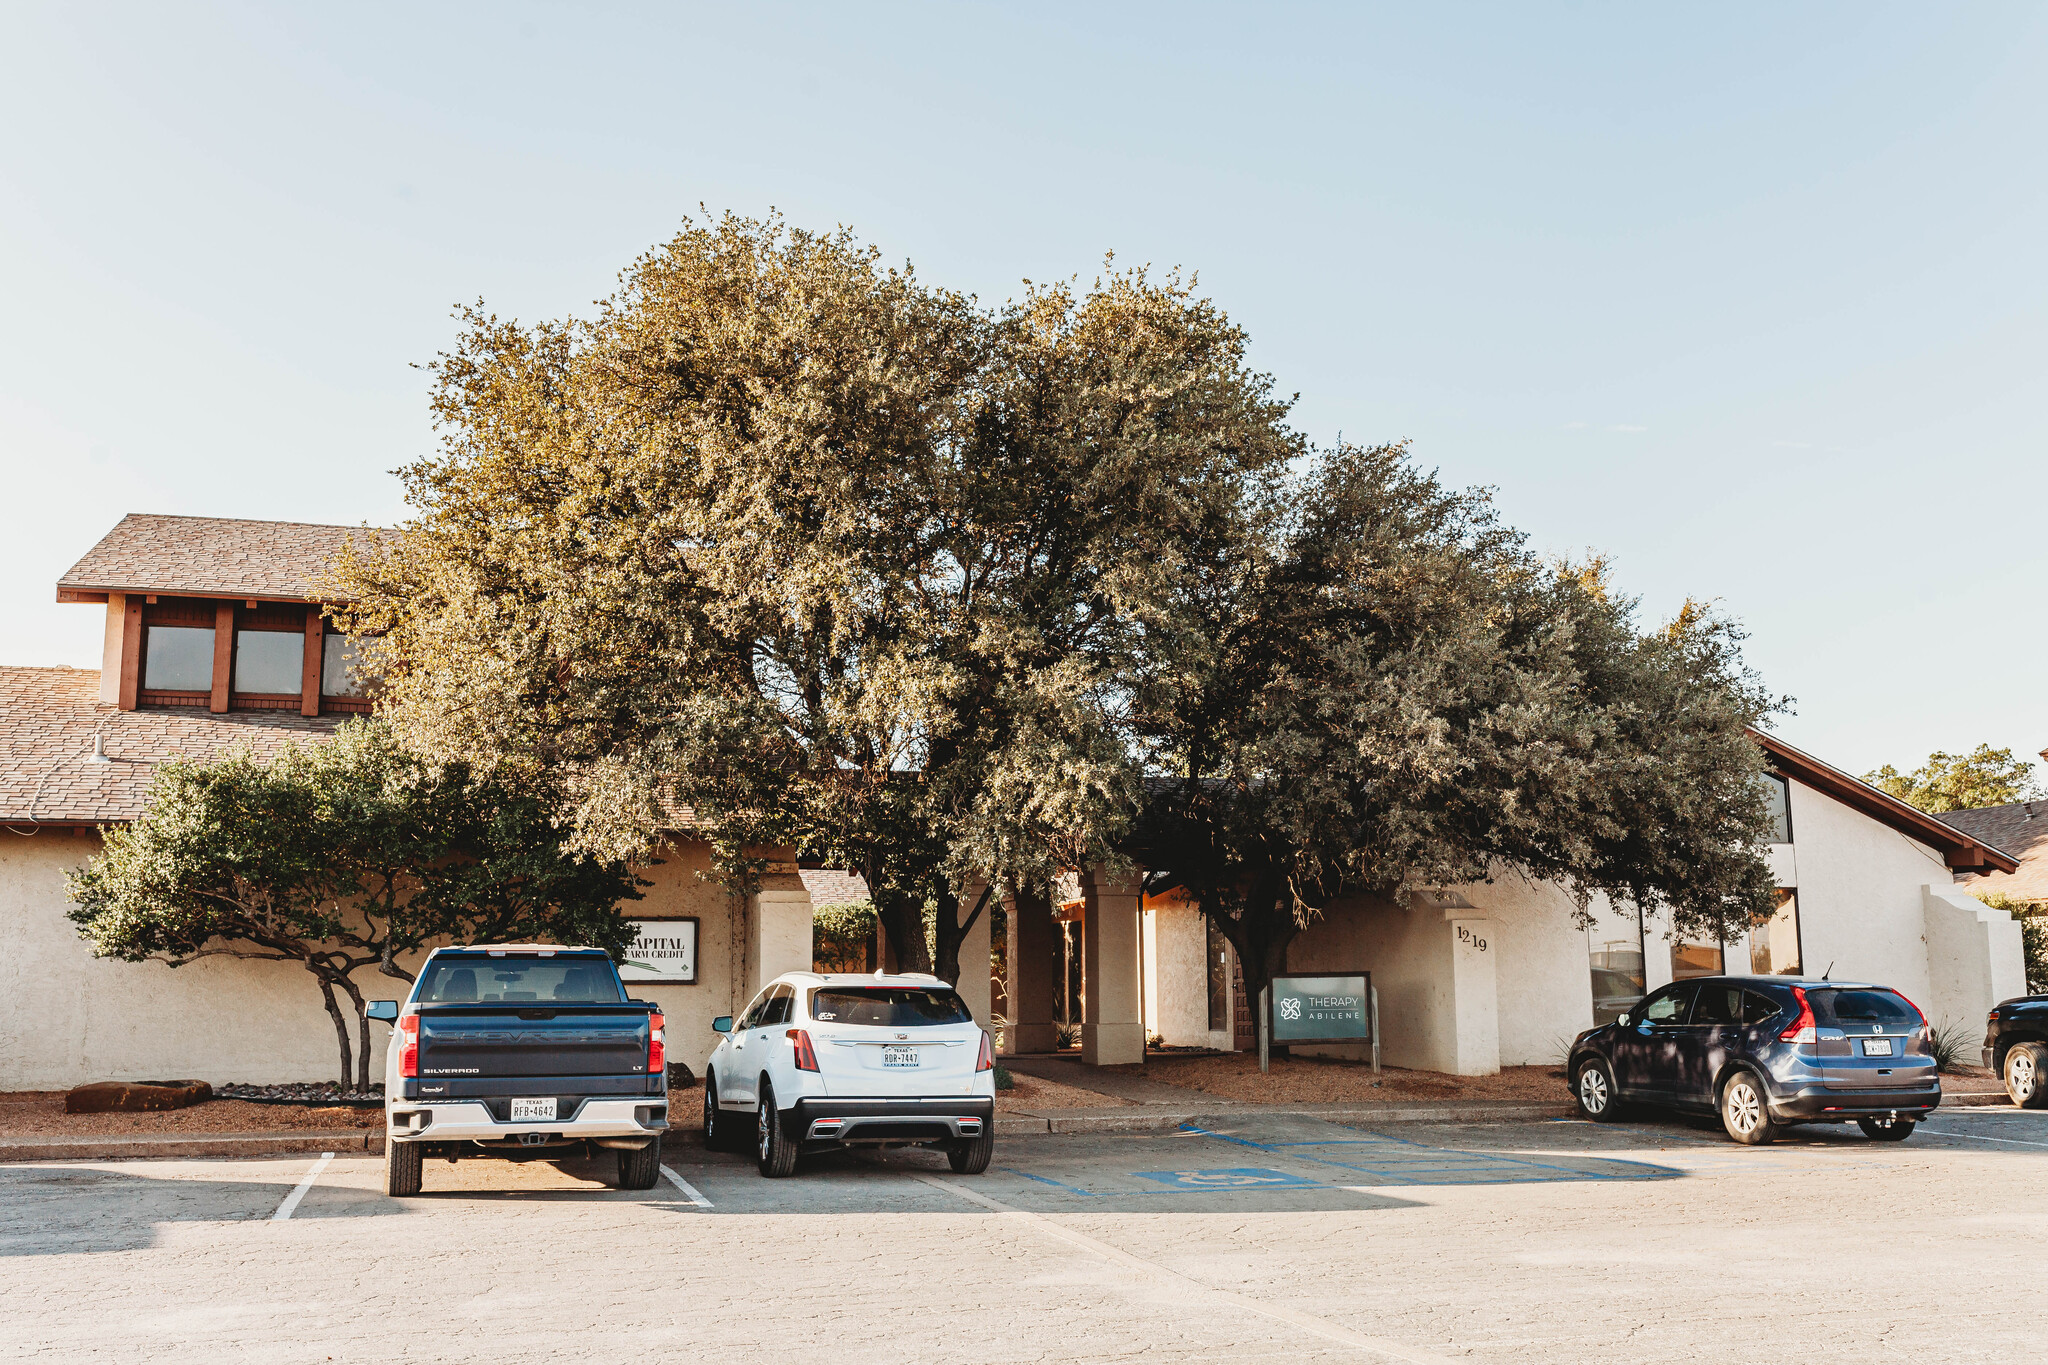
(662, 950)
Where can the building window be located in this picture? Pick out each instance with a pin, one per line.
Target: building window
(1618, 980)
(1696, 959)
(1774, 946)
(269, 662)
(178, 659)
(340, 667)
(1219, 976)
(1777, 800)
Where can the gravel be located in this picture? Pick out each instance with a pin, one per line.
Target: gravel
(323, 1093)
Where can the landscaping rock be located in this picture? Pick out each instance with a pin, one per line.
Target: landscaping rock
(135, 1097)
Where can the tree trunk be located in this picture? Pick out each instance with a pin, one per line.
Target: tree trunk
(340, 1024)
(902, 920)
(362, 1033)
(951, 933)
(1260, 938)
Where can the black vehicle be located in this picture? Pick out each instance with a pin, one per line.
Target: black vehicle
(522, 1051)
(2016, 1048)
(1765, 1052)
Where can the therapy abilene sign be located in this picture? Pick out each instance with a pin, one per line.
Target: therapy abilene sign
(1322, 1009)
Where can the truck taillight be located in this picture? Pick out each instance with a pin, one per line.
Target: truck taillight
(656, 1052)
(987, 1060)
(806, 1055)
(409, 1046)
(1802, 1030)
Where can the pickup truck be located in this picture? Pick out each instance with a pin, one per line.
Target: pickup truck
(2016, 1048)
(521, 1052)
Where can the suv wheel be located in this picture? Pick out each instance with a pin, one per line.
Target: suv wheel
(2026, 1075)
(402, 1163)
(773, 1153)
(1886, 1129)
(971, 1157)
(640, 1170)
(1746, 1110)
(718, 1125)
(1594, 1089)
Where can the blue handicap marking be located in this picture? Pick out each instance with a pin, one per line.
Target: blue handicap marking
(1230, 1178)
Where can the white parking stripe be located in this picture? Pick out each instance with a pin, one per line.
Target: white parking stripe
(1978, 1137)
(1306, 1321)
(687, 1188)
(291, 1201)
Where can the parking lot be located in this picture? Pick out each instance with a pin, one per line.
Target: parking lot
(1268, 1237)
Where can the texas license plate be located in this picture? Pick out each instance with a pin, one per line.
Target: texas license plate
(527, 1111)
(1877, 1047)
(899, 1056)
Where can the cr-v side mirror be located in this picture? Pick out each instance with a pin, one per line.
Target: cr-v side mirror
(384, 1010)
(722, 1024)
(1622, 1022)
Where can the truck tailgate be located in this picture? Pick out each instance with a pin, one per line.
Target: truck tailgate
(490, 1040)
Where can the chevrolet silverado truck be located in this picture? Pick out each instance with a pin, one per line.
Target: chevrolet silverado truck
(522, 1052)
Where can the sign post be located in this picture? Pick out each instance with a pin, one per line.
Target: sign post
(1320, 1009)
(1265, 1027)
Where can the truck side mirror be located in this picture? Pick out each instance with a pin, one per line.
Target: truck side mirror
(385, 1011)
(722, 1024)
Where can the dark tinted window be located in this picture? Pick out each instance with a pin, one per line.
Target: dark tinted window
(754, 1011)
(1718, 1005)
(1757, 1008)
(776, 1011)
(1861, 1007)
(888, 1006)
(580, 980)
(1668, 1005)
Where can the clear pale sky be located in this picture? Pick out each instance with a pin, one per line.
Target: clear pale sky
(1751, 299)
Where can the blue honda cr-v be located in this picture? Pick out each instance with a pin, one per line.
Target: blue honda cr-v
(1765, 1051)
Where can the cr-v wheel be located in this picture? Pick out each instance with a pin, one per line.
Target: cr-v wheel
(1594, 1089)
(774, 1153)
(2026, 1075)
(1746, 1110)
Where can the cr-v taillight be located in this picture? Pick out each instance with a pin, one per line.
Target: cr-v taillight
(987, 1060)
(806, 1055)
(1802, 1030)
(1925, 1022)
(656, 1052)
(409, 1046)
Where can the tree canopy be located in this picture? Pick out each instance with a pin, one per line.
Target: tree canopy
(340, 856)
(1983, 777)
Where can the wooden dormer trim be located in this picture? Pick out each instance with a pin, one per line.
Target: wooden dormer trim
(223, 654)
(309, 678)
(131, 654)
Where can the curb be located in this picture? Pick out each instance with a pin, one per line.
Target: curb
(369, 1141)
(1156, 1118)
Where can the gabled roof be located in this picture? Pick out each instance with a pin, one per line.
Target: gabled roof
(49, 718)
(207, 557)
(2020, 828)
(1964, 851)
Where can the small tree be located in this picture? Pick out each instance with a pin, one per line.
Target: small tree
(843, 936)
(338, 856)
(1972, 781)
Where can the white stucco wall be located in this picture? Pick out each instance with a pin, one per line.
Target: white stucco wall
(1176, 976)
(1861, 905)
(67, 1017)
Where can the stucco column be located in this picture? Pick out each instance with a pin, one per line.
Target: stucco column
(1469, 1011)
(779, 928)
(974, 986)
(1113, 1029)
(1033, 987)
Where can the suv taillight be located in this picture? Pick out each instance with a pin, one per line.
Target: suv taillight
(987, 1060)
(1802, 1030)
(1925, 1022)
(806, 1056)
(409, 1046)
(656, 1052)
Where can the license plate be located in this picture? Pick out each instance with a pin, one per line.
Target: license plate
(899, 1056)
(1877, 1047)
(526, 1111)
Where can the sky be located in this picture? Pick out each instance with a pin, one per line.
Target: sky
(1749, 299)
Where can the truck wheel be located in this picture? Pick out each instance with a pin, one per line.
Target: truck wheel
(1746, 1110)
(1886, 1130)
(773, 1153)
(719, 1128)
(640, 1170)
(1593, 1087)
(402, 1163)
(972, 1156)
(2026, 1075)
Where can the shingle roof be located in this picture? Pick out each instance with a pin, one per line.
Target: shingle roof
(2021, 829)
(48, 717)
(829, 887)
(208, 556)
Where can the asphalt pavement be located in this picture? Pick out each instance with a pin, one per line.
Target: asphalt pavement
(1240, 1237)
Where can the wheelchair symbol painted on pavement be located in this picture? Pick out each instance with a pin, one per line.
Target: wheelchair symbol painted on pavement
(1233, 1178)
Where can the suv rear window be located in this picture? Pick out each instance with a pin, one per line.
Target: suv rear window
(889, 1006)
(585, 979)
(1861, 1007)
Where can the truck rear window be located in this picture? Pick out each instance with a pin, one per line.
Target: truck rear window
(1861, 1007)
(582, 980)
(888, 1006)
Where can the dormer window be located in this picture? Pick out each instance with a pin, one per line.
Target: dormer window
(178, 659)
(340, 667)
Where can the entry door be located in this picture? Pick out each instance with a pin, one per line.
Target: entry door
(1647, 1052)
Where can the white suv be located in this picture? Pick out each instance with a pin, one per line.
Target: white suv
(828, 1061)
